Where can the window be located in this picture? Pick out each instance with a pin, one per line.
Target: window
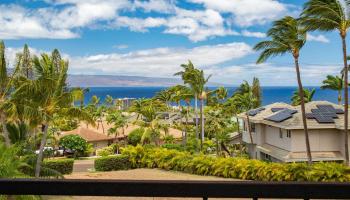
(252, 127)
(289, 135)
(281, 133)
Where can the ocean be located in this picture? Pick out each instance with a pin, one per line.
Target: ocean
(270, 94)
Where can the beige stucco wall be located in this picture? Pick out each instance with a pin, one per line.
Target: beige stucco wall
(100, 144)
(320, 140)
(272, 137)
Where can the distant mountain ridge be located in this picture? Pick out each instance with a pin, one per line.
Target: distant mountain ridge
(125, 81)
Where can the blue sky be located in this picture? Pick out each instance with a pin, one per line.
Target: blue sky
(153, 37)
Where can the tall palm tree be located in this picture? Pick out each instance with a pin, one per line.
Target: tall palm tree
(308, 96)
(5, 90)
(256, 90)
(287, 36)
(109, 100)
(187, 76)
(330, 15)
(49, 96)
(118, 121)
(164, 96)
(334, 83)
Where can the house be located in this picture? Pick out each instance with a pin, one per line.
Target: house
(98, 140)
(277, 132)
(124, 103)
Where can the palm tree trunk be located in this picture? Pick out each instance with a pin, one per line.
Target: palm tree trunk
(41, 151)
(239, 132)
(4, 130)
(202, 122)
(249, 130)
(187, 111)
(302, 103)
(196, 114)
(339, 97)
(346, 101)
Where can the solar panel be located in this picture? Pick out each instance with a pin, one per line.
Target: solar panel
(277, 109)
(324, 113)
(255, 111)
(282, 115)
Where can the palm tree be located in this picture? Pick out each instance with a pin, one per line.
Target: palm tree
(5, 89)
(109, 101)
(49, 96)
(330, 15)
(187, 77)
(334, 83)
(164, 96)
(118, 121)
(221, 93)
(308, 95)
(79, 95)
(287, 36)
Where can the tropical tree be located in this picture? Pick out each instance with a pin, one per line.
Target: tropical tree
(118, 121)
(331, 15)
(5, 90)
(308, 95)
(109, 101)
(25, 63)
(188, 76)
(164, 96)
(287, 36)
(79, 95)
(49, 96)
(334, 83)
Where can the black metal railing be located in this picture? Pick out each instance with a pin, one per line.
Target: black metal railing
(200, 189)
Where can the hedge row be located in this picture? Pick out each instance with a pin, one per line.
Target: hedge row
(63, 166)
(112, 163)
(239, 168)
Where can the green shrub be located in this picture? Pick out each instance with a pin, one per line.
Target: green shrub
(239, 168)
(75, 143)
(107, 151)
(63, 166)
(178, 147)
(135, 136)
(112, 163)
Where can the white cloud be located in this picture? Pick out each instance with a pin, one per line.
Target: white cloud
(162, 6)
(158, 62)
(63, 19)
(17, 22)
(317, 38)
(164, 62)
(138, 24)
(253, 34)
(196, 25)
(247, 12)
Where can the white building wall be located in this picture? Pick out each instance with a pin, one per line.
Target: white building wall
(320, 140)
(272, 137)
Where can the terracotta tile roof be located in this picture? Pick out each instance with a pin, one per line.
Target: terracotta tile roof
(88, 134)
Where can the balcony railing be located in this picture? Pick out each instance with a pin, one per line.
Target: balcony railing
(199, 189)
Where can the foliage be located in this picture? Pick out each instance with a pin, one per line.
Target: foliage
(10, 163)
(107, 151)
(239, 168)
(308, 96)
(135, 136)
(63, 166)
(111, 163)
(75, 143)
(173, 146)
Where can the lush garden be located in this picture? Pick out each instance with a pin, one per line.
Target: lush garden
(237, 168)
